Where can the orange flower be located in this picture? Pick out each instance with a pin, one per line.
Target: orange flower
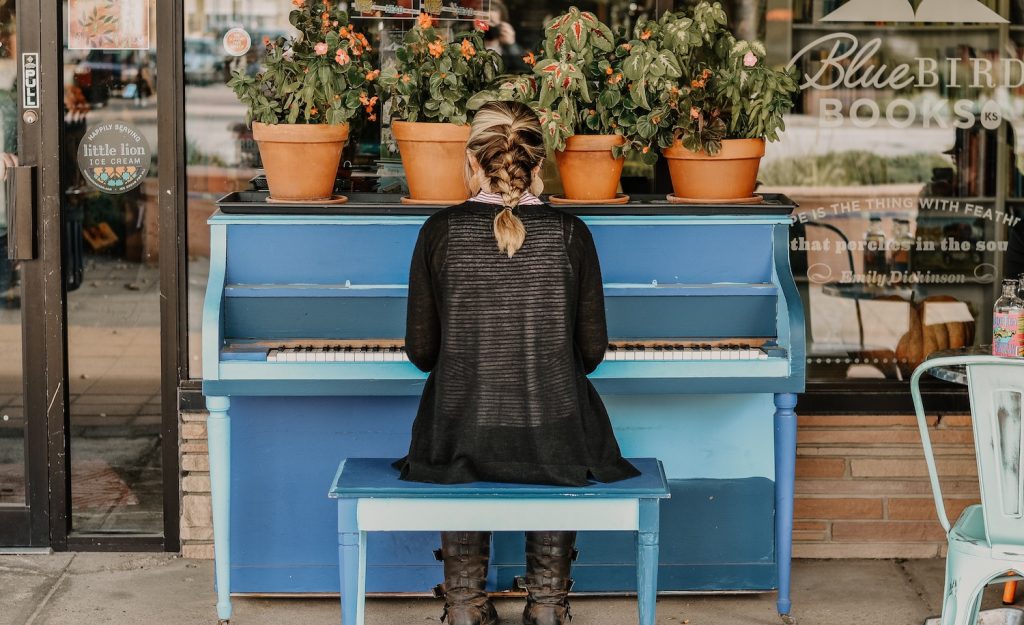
(372, 75)
(343, 31)
(481, 25)
(341, 57)
(646, 149)
(697, 84)
(468, 51)
(313, 111)
(364, 99)
(325, 16)
(372, 117)
(705, 73)
(627, 47)
(674, 90)
(608, 70)
(298, 3)
(405, 79)
(436, 48)
(694, 112)
(424, 20)
(530, 59)
(645, 35)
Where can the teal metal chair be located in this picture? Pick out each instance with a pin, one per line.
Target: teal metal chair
(986, 544)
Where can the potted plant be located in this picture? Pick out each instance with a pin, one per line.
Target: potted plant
(302, 102)
(578, 92)
(427, 90)
(711, 119)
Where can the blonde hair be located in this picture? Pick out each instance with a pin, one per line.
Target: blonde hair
(506, 141)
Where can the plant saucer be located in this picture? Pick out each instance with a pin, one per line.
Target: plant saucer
(753, 199)
(334, 199)
(620, 198)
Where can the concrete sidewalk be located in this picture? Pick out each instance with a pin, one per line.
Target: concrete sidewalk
(95, 588)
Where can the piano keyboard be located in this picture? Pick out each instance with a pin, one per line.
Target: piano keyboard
(616, 352)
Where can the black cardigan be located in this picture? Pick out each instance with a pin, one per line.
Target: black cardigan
(508, 343)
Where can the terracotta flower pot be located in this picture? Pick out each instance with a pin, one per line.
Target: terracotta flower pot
(730, 174)
(301, 160)
(587, 167)
(434, 159)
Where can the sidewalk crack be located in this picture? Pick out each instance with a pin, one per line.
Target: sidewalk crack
(921, 592)
(49, 594)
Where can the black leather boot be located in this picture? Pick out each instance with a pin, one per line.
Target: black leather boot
(549, 557)
(465, 556)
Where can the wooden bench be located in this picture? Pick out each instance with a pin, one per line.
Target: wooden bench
(371, 498)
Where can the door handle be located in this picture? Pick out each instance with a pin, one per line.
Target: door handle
(19, 188)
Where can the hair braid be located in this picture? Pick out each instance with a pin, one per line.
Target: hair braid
(506, 141)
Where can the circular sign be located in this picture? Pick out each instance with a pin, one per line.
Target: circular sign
(114, 157)
(237, 41)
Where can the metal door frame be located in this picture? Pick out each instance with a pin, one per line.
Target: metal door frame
(46, 520)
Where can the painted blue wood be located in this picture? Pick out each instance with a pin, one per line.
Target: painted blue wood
(647, 561)
(785, 466)
(291, 424)
(375, 477)
(359, 479)
(218, 433)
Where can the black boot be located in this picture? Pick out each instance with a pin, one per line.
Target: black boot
(465, 556)
(549, 557)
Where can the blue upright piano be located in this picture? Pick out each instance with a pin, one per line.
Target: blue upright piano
(302, 329)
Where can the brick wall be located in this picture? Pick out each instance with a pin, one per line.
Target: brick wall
(862, 489)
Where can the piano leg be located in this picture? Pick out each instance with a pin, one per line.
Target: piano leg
(218, 432)
(785, 466)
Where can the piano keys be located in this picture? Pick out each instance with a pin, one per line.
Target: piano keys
(384, 352)
(705, 360)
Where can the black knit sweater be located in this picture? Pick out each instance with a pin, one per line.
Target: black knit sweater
(508, 343)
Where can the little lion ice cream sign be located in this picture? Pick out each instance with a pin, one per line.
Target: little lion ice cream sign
(114, 157)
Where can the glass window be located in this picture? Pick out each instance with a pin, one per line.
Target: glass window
(901, 153)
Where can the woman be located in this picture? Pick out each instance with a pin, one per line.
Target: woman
(506, 312)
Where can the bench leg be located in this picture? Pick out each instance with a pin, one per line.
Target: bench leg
(352, 564)
(785, 463)
(647, 561)
(218, 427)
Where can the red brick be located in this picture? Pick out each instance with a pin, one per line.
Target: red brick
(884, 487)
(820, 467)
(956, 420)
(837, 508)
(906, 436)
(891, 451)
(887, 531)
(846, 421)
(907, 467)
(915, 509)
(886, 551)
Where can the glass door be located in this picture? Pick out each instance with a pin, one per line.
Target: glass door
(24, 478)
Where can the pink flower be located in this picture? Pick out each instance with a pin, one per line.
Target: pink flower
(321, 48)
(341, 57)
(749, 59)
(694, 112)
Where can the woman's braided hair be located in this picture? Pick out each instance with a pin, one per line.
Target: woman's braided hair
(507, 143)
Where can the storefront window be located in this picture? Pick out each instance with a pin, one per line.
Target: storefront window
(222, 157)
(901, 153)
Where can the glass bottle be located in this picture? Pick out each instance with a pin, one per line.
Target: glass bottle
(1007, 316)
(904, 242)
(874, 251)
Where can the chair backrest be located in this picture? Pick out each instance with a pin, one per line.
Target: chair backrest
(997, 408)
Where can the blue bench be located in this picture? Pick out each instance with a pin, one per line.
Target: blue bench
(371, 498)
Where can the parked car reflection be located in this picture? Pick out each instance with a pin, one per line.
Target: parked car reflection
(102, 74)
(203, 63)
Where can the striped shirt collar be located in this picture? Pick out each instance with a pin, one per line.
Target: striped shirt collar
(493, 198)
